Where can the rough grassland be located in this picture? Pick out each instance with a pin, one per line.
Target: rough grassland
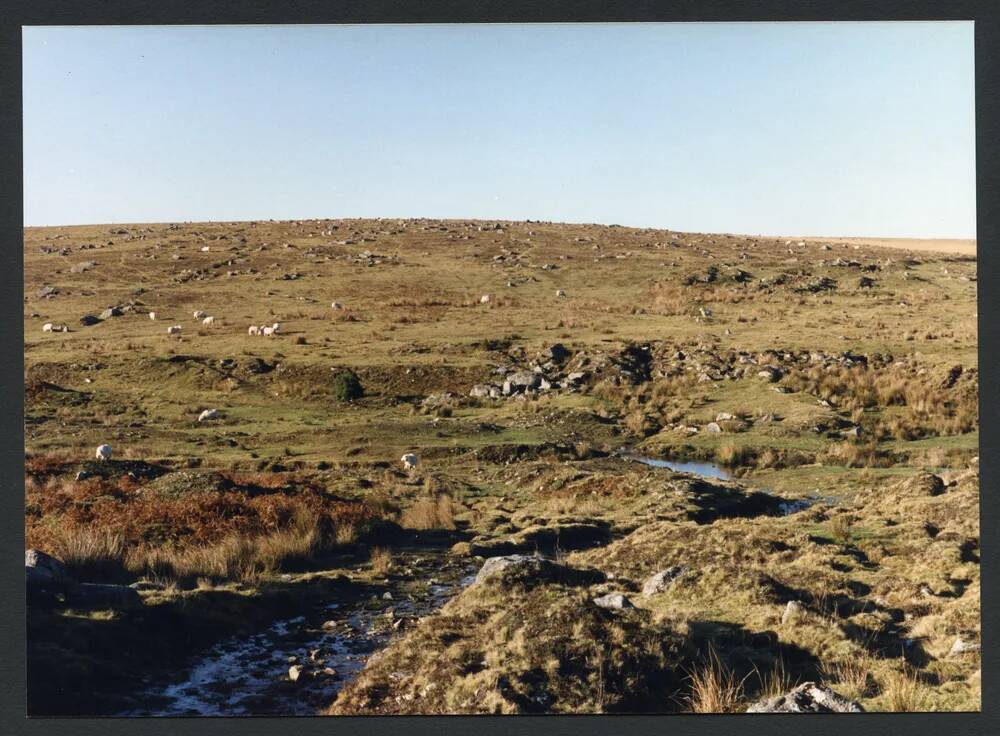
(838, 374)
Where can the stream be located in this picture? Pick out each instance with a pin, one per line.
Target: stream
(717, 472)
(250, 675)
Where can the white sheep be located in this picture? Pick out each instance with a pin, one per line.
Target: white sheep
(267, 331)
(253, 330)
(200, 314)
(485, 299)
(174, 330)
(337, 305)
(103, 452)
(409, 461)
(208, 321)
(152, 316)
(274, 328)
(47, 327)
(208, 414)
(560, 292)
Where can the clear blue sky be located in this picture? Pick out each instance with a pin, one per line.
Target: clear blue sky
(815, 129)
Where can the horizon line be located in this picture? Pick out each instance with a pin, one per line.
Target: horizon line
(510, 220)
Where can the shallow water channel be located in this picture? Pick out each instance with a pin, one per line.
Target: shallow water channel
(717, 472)
(249, 675)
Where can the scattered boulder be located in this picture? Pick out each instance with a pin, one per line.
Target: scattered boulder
(807, 698)
(208, 414)
(484, 391)
(961, 646)
(41, 569)
(661, 580)
(530, 570)
(792, 610)
(770, 374)
(923, 484)
(101, 596)
(557, 353)
(88, 320)
(614, 601)
(111, 312)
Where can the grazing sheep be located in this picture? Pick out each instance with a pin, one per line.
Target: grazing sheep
(205, 248)
(337, 305)
(274, 328)
(200, 314)
(174, 330)
(485, 299)
(152, 315)
(254, 330)
(560, 292)
(103, 452)
(208, 321)
(267, 331)
(47, 327)
(409, 461)
(208, 414)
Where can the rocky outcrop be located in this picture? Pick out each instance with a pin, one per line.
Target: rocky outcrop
(530, 570)
(807, 698)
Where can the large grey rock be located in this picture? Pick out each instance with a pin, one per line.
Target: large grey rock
(532, 569)
(615, 601)
(111, 312)
(100, 595)
(807, 698)
(524, 380)
(557, 353)
(661, 581)
(88, 320)
(961, 646)
(43, 569)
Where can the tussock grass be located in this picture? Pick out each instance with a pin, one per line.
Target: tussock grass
(381, 560)
(715, 688)
(903, 692)
(430, 513)
(91, 554)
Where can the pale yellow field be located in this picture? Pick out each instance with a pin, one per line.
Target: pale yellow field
(953, 246)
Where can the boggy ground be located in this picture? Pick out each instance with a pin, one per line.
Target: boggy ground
(523, 363)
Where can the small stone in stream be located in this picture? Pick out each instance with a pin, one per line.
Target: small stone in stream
(298, 673)
(387, 596)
